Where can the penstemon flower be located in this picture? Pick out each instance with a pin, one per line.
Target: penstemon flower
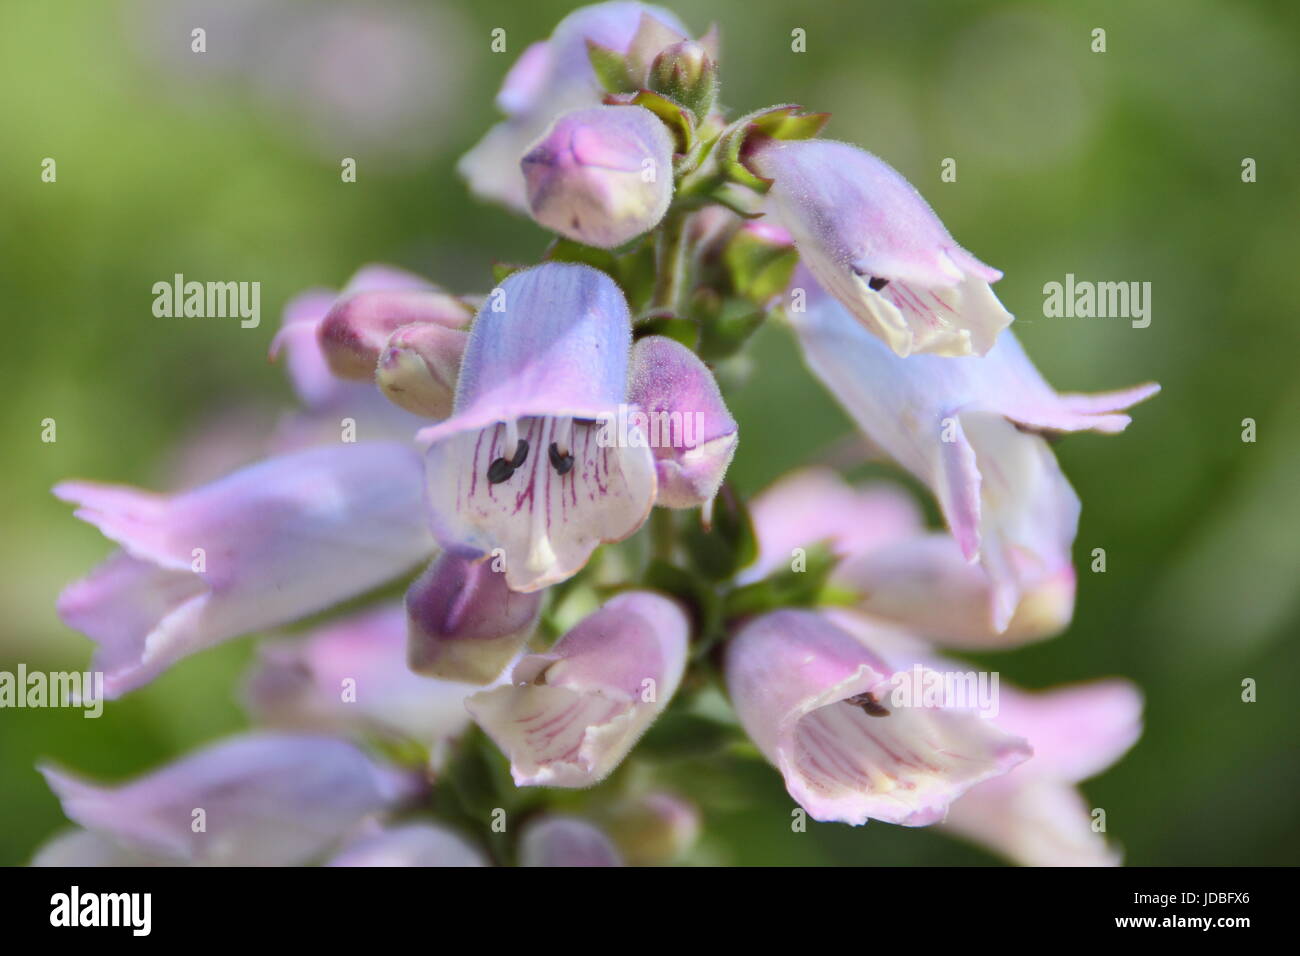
(602, 609)
(519, 467)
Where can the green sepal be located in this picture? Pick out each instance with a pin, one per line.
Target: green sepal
(729, 544)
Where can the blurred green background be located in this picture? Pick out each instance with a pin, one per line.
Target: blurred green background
(1123, 165)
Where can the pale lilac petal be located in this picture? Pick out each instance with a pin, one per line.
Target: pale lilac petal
(1036, 821)
(566, 841)
(795, 679)
(351, 676)
(964, 427)
(601, 176)
(414, 844)
(815, 504)
(279, 540)
(689, 427)
(464, 623)
(1077, 731)
(266, 800)
(923, 583)
(78, 848)
(549, 365)
(571, 715)
(526, 79)
(876, 245)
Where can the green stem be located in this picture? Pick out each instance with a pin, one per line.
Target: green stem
(663, 535)
(670, 261)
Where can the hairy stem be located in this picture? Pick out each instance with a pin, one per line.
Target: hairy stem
(670, 261)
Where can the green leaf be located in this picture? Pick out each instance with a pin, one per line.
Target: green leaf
(727, 335)
(759, 269)
(678, 329)
(613, 71)
(677, 118)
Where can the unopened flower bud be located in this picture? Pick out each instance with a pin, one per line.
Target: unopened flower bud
(465, 624)
(418, 367)
(358, 326)
(601, 176)
(686, 73)
(654, 828)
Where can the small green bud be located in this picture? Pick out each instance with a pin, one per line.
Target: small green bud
(686, 73)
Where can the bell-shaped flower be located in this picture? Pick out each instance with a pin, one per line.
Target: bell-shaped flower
(1035, 816)
(972, 430)
(819, 705)
(875, 244)
(551, 78)
(261, 547)
(411, 844)
(464, 623)
(602, 175)
(418, 367)
(899, 571)
(565, 841)
(523, 467)
(653, 829)
(350, 676)
(254, 800)
(687, 424)
(570, 715)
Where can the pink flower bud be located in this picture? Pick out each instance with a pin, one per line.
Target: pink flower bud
(357, 328)
(601, 176)
(418, 366)
(464, 622)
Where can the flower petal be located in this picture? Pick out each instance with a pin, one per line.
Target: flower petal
(566, 841)
(414, 844)
(877, 246)
(350, 676)
(572, 714)
(261, 547)
(265, 800)
(464, 623)
(799, 685)
(689, 427)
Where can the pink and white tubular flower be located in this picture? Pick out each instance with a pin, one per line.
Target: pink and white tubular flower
(971, 429)
(264, 546)
(569, 716)
(816, 701)
(601, 175)
(552, 77)
(1034, 815)
(267, 799)
(521, 466)
(900, 572)
(875, 244)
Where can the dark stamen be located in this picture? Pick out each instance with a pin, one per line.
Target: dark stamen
(521, 454)
(869, 705)
(876, 283)
(499, 471)
(562, 463)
